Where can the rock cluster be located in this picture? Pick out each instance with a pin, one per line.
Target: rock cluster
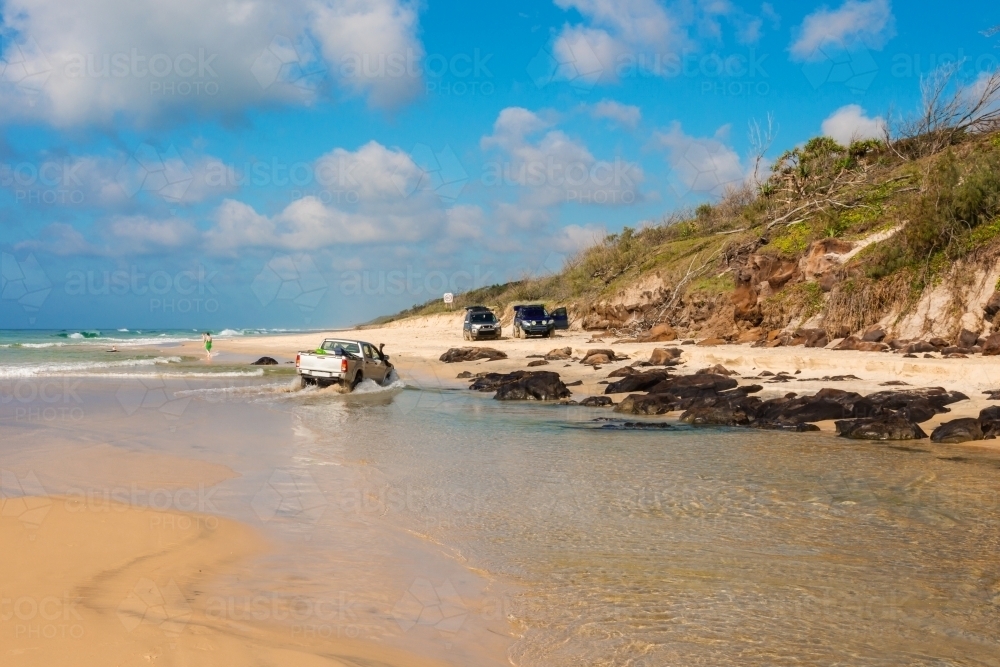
(715, 398)
(523, 386)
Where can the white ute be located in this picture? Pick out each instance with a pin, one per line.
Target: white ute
(343, 361)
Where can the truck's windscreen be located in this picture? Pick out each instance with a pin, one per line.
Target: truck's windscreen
(479, 318)
(533, 314)
(346, 346)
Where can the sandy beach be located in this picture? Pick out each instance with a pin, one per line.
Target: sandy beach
(195, 530)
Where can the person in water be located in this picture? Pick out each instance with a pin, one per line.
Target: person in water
(207, 339)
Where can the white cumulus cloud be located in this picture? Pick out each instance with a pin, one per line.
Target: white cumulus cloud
(625, 115)
(872, 22)
(849, 123)
(103, 61)
(702, 165)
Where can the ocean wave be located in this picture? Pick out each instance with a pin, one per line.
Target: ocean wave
(86, 367)
(229, 333)
(184, 374)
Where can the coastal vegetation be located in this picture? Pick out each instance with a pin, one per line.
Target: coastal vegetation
(845, 234)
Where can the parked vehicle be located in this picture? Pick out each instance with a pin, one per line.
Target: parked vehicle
(532, 320)
(343, 361)
(561, 318)
(481, 324)
(477, 309)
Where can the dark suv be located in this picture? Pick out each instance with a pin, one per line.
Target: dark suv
(480, 323)
(532, 321)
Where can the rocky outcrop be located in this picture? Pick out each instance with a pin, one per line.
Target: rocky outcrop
(537, 362)
(892, 427)
(460, 354)
(598, 357)
(534, 386)
(958, 430)
(992, 346)
(493, 381)
(665, 356)
(821, 261)
(265, 361)
(559, 354)
(597, 402)
(636, 382)
(853, 343)
(992, 306)
(874, 335)
(660, 333)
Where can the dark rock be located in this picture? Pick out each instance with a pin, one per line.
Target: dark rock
(928, 356)
(939, 342)
(919, 402)
(686, 383)
(645, 404)
(535, 386)
(958, 430)
(824, 405)
(735, 411)
(957, 350)
(560, 354)
(618, 425)
(265, 361)
(687, 342)
(574, 384)
(910, 356)
(778, 426)
(992, 306)
(854, 343)
(967, 338)
(918, 347)
(717, 369)
(637, 382)
(459, 354)
(895, 383)
(989, 421)
(463, 375)
(993, 394)
(664, 356)
(538, 362)
(624, 371)
(991, 346)
(874, 335)
(897, 343)
(597, 402)
(493, 381)
(596, 357)
(891, 427)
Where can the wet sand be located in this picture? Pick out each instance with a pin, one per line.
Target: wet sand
(132, 540)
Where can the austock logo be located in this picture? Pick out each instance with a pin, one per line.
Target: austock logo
(439, 607)
(23, 65)
(292, 278)
(291, 495)
(148, 170)
(295, 63)
(24, 282)
(23, 498)
(147, 603)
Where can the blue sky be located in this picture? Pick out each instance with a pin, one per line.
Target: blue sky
(320, 162)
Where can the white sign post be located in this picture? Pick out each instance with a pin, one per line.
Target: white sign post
(449, 298)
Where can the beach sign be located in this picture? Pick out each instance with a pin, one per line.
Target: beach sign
(449, 297)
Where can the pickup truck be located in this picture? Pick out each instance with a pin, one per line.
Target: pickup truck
(343, 361)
